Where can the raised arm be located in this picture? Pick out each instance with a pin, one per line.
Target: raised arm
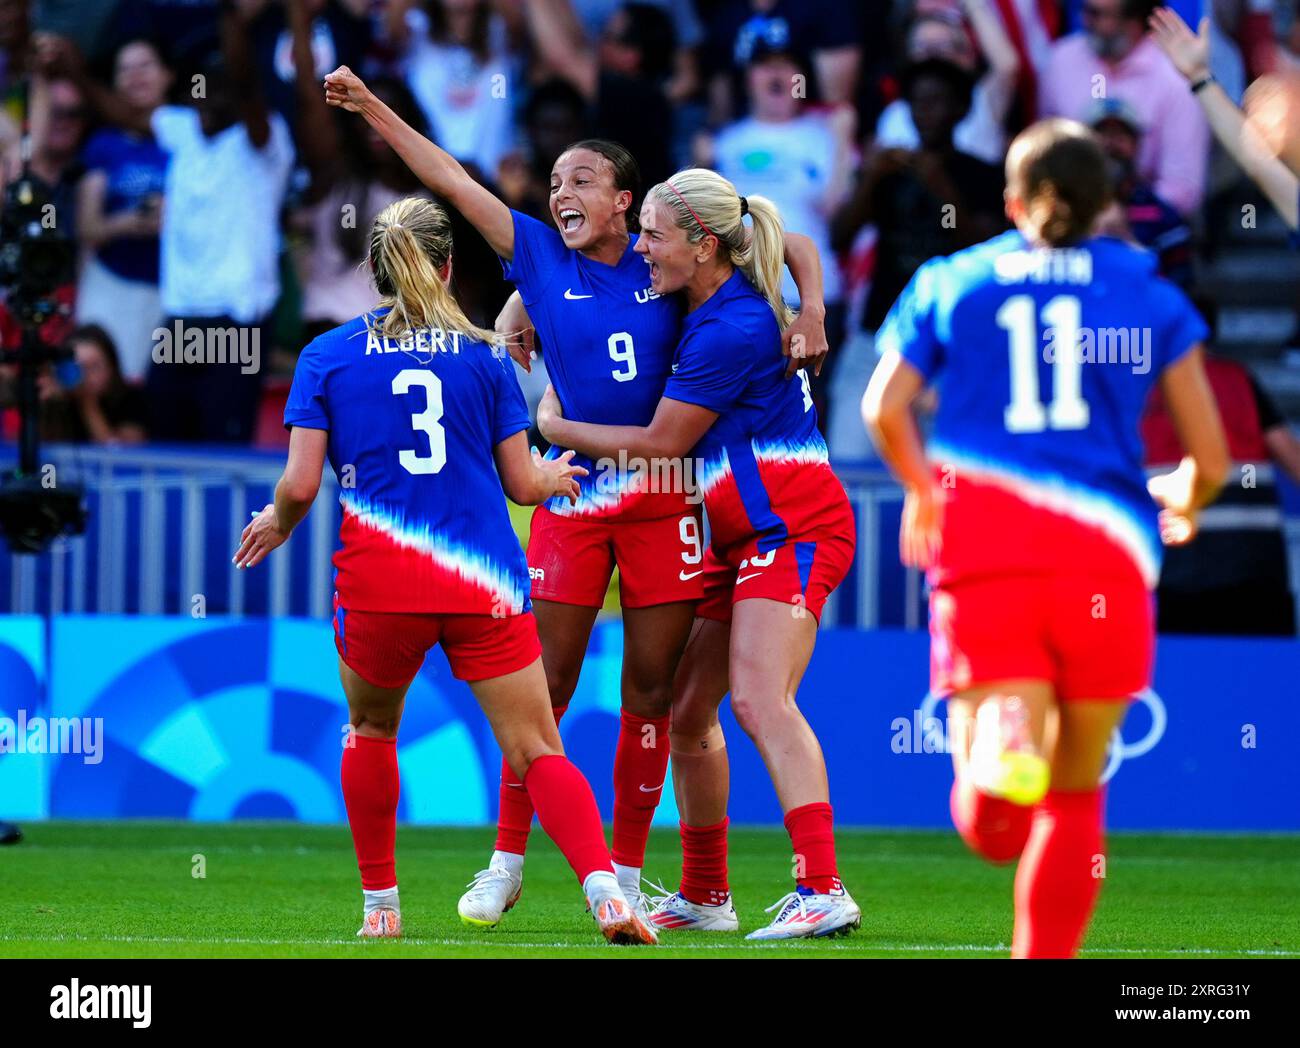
(996, 46)
(675, 429)
(557, 34)
(1190, 54)
(238, 57)
(436, 168)
(318, 136)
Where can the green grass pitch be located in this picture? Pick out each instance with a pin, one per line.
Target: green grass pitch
(127, 889)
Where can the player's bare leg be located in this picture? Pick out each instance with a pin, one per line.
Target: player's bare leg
(771, 645)
(654, 638)
(998, 733)
(517, 709)
(1064, 859)
(370, 791)
(564, 630)
(701, 781)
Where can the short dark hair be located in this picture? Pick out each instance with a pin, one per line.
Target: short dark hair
(957, 79)
(626, 173)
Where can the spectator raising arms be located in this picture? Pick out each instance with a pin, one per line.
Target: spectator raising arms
(229, 163)
(354, 176)
(625, 79)
(458, 68)
(1113, 57)
(942, 34)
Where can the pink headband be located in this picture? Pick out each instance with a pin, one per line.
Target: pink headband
(693, 214)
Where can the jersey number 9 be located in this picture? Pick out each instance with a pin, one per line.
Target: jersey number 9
(621, 351)
(427, 421)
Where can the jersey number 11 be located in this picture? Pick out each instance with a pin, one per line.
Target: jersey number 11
(1026, 412)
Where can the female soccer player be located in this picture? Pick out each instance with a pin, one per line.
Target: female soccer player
(782, 540)
(425, 425)
(609, 339)
(1033, 515)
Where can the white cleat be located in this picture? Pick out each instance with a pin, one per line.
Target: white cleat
(805, 914)
(491, 893)
(675, 913)
(621, 925)
(382, 923)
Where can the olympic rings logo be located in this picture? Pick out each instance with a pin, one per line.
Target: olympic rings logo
(1119, 750)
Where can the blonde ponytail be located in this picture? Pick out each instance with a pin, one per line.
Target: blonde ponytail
(409, 244)
(765, 266)
(703, 203)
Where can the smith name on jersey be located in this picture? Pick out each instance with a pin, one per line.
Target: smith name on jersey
(1043, 359)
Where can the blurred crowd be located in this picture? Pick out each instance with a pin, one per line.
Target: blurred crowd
(189, 153)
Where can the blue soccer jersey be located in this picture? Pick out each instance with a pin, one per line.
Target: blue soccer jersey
(412, 426)
(608, 342)
(763, 466)
(1043, 359)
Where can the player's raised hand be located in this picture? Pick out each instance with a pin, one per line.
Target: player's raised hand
(920, 537)
(549, 411)
(262, 535)
(561, 474)
(804, 343)
(345, 89)
(513, 325)
(1189, 52)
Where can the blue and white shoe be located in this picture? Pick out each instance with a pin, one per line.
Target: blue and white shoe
(806, 914)
(675, 913)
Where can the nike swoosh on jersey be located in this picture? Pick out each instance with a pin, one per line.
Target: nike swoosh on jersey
(742, 578)
(568, 293)
(653, 789)
(687, 578)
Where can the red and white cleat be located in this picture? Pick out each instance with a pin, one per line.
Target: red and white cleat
(621, 925)
(382, 923)
(805, 914)
(675, 913)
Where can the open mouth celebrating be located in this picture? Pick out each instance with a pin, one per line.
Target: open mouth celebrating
(571, 219)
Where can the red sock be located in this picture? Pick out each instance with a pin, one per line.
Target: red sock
(515, 810)
(992, 826)
(370, 789)
(704, 864)
(811, 829)
(1059, 875)
(567, 810)
(640, 766)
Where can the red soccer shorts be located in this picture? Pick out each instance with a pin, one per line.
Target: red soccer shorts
(1092, 638)
(571, 559)
(387, 648)
(803, 572)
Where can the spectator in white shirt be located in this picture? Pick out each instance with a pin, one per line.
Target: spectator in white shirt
(799, 160)
(942, 34)
(458, 66)
(229, 164)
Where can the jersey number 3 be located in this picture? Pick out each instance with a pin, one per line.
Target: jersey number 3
(427, 421)
(1068, 409)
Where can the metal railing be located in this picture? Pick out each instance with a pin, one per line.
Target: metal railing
(164, 523)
